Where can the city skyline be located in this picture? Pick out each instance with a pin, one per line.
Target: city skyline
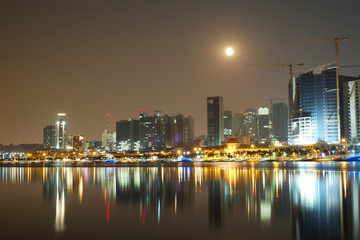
(161, 131)
(141, 119)
(90, 59)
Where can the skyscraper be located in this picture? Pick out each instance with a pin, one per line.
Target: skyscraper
(314, 106)
(152, 132)
(351, 110)
(108, 140)
(61, 131)
(263, 125)
(79, 143)
(215, 121)
(183, 131)
(280, 121)
(49, 137)
(188, 131)
(227, 123)
(238, 124)
(127, 135)
(250, 123)
(169, 122)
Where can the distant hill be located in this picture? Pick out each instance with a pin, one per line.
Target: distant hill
(21, 147)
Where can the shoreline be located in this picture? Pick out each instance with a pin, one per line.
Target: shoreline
(281, 163)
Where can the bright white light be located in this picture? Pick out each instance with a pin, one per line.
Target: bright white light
(229, 51)
(306, 185)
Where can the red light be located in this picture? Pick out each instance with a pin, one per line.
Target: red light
(107, 213)
(108, 115)
(143, 215)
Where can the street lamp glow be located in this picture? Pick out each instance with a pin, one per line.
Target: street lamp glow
(229, 51)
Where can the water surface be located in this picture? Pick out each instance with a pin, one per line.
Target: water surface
(278, 200)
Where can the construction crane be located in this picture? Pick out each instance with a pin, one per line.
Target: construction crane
(336, 43)
(349, 66)
(290, 65)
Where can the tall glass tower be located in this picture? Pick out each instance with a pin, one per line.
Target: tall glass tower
(280, 121)
(315, 93)
(263, 125)
(61, 130)
(215, 121)
(49, 137)
(250, 123)
(238, 124)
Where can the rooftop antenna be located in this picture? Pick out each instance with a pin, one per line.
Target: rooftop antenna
(157, 112)
(107, 121)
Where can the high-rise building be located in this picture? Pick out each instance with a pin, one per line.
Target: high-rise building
(69, 142)
(127, 135)
(61, 131)
(188, 131)
(152, 132)
(313, 105)
(169, 122)
(227, 124)
(250, 123)
(79, 143)
(351, 110)
(300, 130)
(280, 121)
(200, 141)
(108, 137)
(183, 131)
(238, 124)
(49, 137)
(94, 145)
(215, 121)
(263, 125)
(108, 140)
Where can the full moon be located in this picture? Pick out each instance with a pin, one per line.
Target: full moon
(229, 51)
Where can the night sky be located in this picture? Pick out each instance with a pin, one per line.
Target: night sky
(89, 58)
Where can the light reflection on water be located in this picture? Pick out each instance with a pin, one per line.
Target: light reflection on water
(304, 201)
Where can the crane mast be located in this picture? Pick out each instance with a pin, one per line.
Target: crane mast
(290, 65)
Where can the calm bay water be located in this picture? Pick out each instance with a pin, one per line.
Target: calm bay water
(293, 200)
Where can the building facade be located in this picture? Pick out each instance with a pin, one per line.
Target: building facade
(238, 124)
(94, 145)
(183, 135)
(263, 125)
(128, 135)
(280, 121)
(152, 132)
(79, 143)
(228, 124)
(315, 95)
(250, 123)
(49, 137)
(61, 131)
(351, 109)
(300, 131)
(313, 101)
(169, 122)
(108, 140)
(215, 121)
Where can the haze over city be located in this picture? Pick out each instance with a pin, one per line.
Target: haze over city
(90, 58)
